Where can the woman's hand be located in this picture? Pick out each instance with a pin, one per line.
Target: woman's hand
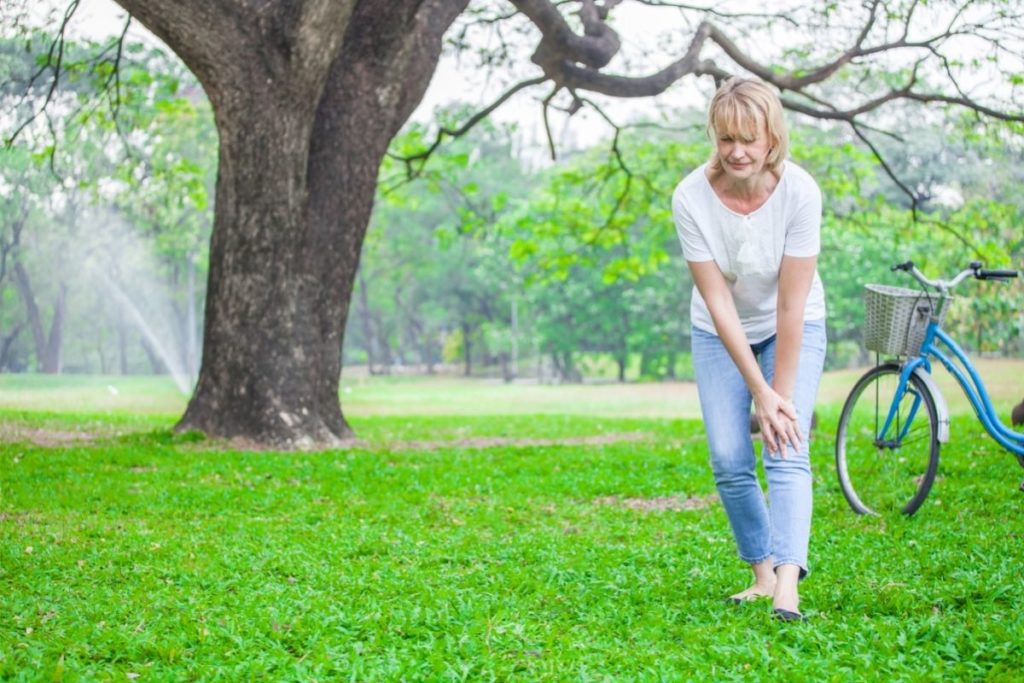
(777, 417)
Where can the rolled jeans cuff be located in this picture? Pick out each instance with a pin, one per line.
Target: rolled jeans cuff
(804, 571)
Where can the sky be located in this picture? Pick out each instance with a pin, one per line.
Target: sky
(460, 80)
(642, 29)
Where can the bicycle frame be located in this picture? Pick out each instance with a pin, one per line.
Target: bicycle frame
(916, 403)
(971, 383)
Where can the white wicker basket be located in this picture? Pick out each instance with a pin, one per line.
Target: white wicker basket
(895, 319)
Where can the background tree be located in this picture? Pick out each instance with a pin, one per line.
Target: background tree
(434, 272)
(113, 206)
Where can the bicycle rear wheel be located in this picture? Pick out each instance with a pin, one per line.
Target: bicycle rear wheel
(887, 473)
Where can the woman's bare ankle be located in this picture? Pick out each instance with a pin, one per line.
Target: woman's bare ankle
(764, 582)
(764, 576)
(786, 596)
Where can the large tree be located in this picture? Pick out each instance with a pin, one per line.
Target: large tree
(308, 94)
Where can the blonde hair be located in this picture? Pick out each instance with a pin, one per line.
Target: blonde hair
(739, 109)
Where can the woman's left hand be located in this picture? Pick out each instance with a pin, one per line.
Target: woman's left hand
(788, 427)
(777, 416)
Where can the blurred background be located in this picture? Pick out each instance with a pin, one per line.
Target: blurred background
(492, 260)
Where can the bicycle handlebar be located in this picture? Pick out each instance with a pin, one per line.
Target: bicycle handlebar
(974, 269)
(996, 274)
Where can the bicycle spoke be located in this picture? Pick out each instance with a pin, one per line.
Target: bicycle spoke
(884, 473)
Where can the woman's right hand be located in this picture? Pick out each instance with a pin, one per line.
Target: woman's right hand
(777, 416)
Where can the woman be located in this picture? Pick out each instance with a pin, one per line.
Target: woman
(749, 222)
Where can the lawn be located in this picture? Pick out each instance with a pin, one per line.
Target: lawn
(525, 538)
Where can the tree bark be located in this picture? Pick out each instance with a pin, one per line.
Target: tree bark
(467, 350)
(101, 356)
(367, 323)
(6, 342)
(571, 373)
(55, 341)
(383, 346)
(48, 346)
(306, 95)
(556, 362)
(122, 342)
(506, 367)
(649, 363)
(35, 320)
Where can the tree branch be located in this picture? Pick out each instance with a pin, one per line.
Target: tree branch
(560, 43)
(115, 75)
(547, 125)
(719, 13)
(914, 199)
(621, 163)
(580, 78)
(56, 46)
(789, 81)
(444, 132)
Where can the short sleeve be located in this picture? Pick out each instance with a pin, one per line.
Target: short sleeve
(803, 232)
(695, 247)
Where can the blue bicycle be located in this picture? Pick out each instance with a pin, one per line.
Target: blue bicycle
(895, 419)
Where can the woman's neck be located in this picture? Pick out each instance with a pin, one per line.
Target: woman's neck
(745, 189)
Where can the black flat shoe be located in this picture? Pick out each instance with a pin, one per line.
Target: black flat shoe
(749, 598)
(786, 615)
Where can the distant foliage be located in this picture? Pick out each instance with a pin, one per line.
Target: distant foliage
(112, 183)
(476, 261)
(591, 248)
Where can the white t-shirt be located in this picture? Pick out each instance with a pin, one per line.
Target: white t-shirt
(749, 248)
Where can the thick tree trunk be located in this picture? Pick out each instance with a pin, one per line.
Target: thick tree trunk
(258, 371)
(307, 95)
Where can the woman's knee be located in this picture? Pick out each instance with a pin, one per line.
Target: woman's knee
(796, 461)
(732, 459)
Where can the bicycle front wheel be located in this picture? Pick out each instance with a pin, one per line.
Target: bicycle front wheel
(888, 472)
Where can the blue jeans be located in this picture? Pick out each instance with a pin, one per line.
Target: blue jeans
(779, 530)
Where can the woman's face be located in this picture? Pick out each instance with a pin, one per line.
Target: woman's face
(743, 157)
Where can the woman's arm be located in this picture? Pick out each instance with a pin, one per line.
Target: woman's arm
(795, 278)
(774, 412)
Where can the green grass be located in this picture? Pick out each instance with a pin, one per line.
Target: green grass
(149, 556)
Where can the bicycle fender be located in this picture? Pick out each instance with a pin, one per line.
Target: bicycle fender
(941, 409)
